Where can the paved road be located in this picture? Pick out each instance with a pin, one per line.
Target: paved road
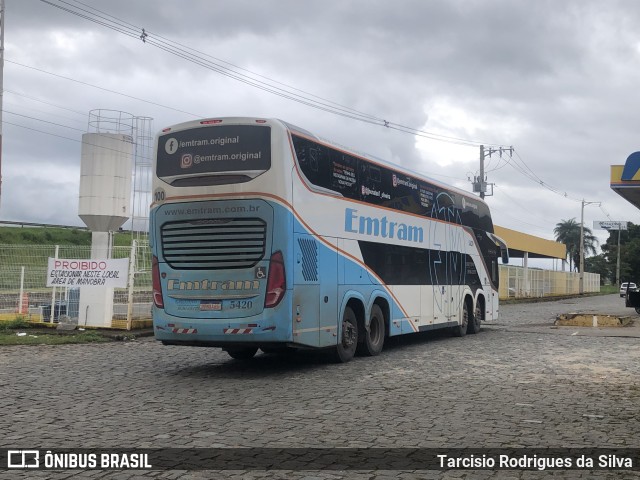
(545, 312)
(519, 383)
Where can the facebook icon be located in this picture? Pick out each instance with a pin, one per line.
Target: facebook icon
(171, 146)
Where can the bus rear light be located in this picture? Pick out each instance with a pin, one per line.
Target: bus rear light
(155, 282)
(276, 282)
(261, 121)
(210, 122)
(165, 130)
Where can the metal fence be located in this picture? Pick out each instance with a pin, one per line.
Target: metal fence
(518, 282)
(23, 280)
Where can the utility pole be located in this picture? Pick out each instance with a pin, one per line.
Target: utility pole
(618, 259)
(1, 82)
(483, 185)
(480, 182)
(581, 281)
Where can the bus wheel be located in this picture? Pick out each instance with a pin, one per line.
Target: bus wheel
(460, 330)
(346, 348)
(374, 336)
(246, 353)
(476, 319)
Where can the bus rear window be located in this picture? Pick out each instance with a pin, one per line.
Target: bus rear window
(213, 150)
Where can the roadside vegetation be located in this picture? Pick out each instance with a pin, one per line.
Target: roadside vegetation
(30, 247)
(54, 236)
(608, 289)
(604, 263)
(20, 332)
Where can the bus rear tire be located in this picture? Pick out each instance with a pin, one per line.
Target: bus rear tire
(346, 348)
(476, 319)
(244, 353)
(373, 340)
(278, 350)
(460, 330)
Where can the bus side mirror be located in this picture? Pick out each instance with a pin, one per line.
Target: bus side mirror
(505, 255)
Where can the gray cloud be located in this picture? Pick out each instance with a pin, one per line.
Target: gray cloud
(558, 80)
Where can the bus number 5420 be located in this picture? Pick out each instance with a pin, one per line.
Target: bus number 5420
(240, 304)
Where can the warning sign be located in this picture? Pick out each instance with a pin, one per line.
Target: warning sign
(87, 273)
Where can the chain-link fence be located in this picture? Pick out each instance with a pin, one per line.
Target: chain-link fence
(23, 280)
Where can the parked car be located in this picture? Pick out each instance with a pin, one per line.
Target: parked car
(623, 288)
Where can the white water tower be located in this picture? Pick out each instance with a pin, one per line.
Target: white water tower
(105, 198)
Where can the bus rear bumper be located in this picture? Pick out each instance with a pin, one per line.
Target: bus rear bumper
(216, 333)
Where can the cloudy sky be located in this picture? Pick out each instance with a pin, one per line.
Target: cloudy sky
(557, 79)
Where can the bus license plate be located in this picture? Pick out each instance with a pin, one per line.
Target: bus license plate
(210, 306)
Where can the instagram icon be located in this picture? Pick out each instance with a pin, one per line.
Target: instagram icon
(186, 161)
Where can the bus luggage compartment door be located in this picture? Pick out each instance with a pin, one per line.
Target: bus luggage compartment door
(315, 292)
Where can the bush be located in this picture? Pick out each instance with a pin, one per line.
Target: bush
(17, 323)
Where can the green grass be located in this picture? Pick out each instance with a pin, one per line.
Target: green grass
(608, 289)
(54, 236)
(30, 247)
(44, 236)
(10, 325)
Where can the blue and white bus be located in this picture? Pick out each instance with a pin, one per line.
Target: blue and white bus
(266, 237)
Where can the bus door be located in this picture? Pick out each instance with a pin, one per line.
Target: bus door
(446, 266)
(456, 271)
(440, 291)
(485, 279)
(494, 248)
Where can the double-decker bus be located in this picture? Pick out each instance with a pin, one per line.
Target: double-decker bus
(266, 237)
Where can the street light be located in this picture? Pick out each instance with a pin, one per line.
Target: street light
(581, 282)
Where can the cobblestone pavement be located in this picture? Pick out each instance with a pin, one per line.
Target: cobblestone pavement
(518, 383)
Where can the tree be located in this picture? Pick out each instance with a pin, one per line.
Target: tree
(568, 232)
(629, 252)
(600, 265)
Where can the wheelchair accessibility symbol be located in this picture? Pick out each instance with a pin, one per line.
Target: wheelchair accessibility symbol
(261, 272)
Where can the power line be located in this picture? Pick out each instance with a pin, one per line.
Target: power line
(130, 30)
(605, 212)
(43, 101)
(507, 162)
(145, 35)
(522, 169)
(266, 84)
(104, 89)
(519, 165)
(122, 27)
(66, 138)
(44, 113)
(109, 21)
(43, 121)
(528, 210)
